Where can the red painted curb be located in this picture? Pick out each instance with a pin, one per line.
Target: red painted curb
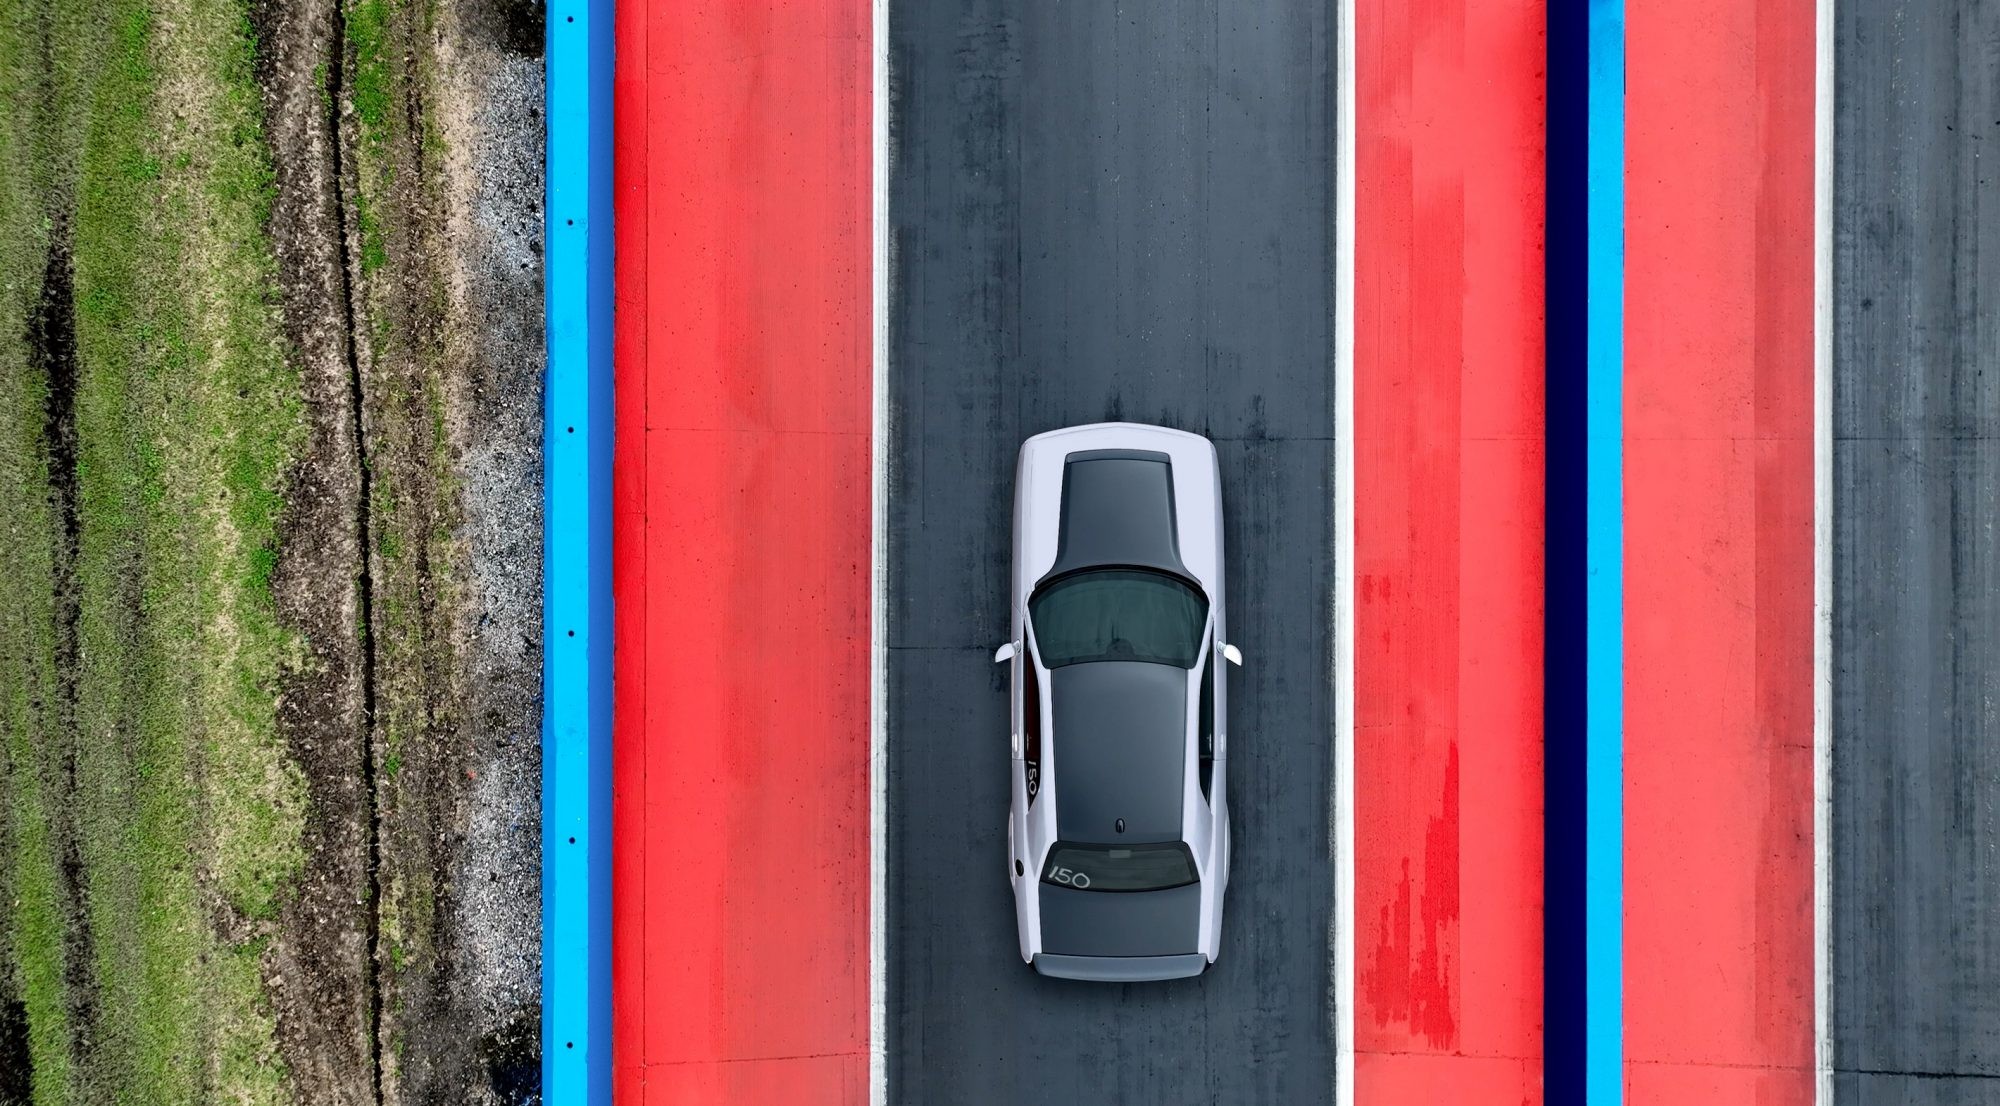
(1448, 534)
(1719, 552)
(740, 878)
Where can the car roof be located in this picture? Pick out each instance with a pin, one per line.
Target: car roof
(1120, 732)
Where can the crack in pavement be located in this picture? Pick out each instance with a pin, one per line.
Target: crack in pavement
(336, 78)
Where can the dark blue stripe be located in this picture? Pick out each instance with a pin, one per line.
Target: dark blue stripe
(1583, 705)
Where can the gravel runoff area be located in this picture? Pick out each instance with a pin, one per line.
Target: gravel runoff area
(498, 103)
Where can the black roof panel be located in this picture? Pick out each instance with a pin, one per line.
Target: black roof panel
(1120, 736)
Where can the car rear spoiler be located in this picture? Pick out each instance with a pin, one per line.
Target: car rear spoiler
(1120, 969)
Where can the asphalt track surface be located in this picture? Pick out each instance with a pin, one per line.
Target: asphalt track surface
(1105, 214)
(1916, 584)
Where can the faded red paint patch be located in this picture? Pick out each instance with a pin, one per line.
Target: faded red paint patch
(1448, 532)
(1411, 976)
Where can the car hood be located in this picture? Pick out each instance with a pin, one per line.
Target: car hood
(1173, 526)
(1117, 509)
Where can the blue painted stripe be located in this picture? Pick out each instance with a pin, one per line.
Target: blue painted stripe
(1583, 660)
(1604, 837)
(576, 565)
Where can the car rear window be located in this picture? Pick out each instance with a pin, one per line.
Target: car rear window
(1120, 868)
(1118, 614)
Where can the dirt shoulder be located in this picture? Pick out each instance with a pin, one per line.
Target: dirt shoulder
(320, 972)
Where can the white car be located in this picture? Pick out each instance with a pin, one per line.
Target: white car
(1119, 829)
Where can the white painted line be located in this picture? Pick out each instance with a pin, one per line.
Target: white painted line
(1823, 555)
(878, 549)
(1342, 936)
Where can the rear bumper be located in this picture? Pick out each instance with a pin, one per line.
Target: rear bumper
(1121, 969)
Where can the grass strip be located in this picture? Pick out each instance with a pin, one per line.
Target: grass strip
(187, 416)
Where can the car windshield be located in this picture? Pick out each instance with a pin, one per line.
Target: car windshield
(1125, 868)
(1118, 614)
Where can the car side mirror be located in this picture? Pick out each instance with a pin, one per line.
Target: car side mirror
(1005, 653)
(1233, 655)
